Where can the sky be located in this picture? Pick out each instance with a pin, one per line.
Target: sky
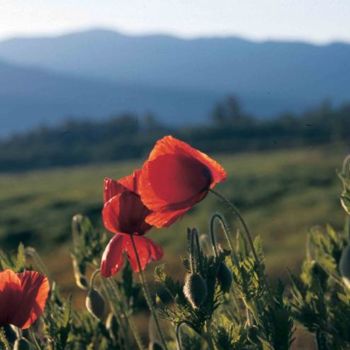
(319, 21)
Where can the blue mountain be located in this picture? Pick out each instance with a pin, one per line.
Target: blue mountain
(100, 72)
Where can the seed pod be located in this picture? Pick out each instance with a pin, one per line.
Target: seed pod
(153, 345)
(195, 289)
(344, 265)
(80, 279)
(224, 277)
(95, 304)
(21, 344)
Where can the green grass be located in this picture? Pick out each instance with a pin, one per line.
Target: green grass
(281, 194)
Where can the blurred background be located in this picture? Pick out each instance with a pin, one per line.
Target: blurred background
(87, 87)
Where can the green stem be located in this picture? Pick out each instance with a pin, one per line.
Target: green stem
(248, 236)
(242, 221)
(220, 218)
(190, 325)
(3, 339)
(38, 261)
(208, 337)
(127, 318)
(35, 341)
(93, 277)
(105, 284)
(147, 294)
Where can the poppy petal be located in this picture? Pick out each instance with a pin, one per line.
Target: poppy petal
(10, 295)
(35, 290)
(115, 187)
(170, 144)
(111, 189)
(125, 213)
(177, 176)
(112, 258)
(130, 182)
(147, 251)
(110, 214)
(165, 218)
(132, 214)
(156, 251)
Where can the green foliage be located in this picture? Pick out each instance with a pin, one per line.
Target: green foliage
(251, 313)
(321, 299)
(88, 243)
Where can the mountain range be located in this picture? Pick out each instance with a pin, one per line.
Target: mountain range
(97, 73)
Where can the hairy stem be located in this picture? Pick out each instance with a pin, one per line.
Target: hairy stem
(247, 234)
(119, 314)
(34, 339)
(190, 325)
(147, 294)
(242, 221)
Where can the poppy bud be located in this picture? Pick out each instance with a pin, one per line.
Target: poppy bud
(95, 304)
(153, 345)
(195, 289)
(224, 277)
(21, 344)
(344, 265)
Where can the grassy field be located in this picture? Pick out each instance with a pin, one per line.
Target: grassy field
(281, 194)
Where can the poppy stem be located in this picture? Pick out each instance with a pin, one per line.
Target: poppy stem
(214, 218)
(93, 277)
(190, 325)
(34, 339)
(242, 221)
(247, 234)
(124, 315)
(148, 295)
(3, 339)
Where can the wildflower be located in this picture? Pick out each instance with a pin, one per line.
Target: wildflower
(174, 178)
(113, 258)
(124, 214)
(22, 297)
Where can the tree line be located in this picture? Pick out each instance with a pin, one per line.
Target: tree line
(230, 129)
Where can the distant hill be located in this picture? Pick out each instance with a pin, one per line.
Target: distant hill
(178, 79)
(31, 97)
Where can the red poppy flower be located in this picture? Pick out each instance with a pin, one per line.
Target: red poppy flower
(124, 214)
(174, 178)
(113, 256)
(123, 211)
(22, 297)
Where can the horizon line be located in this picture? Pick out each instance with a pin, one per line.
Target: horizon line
(83, 29)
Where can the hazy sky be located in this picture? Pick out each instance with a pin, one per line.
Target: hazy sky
(312, 20)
